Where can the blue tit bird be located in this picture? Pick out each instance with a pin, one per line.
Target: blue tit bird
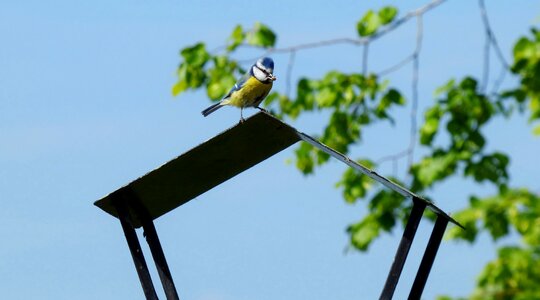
(250, 90)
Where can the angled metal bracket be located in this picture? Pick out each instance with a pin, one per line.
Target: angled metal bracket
(129, 209)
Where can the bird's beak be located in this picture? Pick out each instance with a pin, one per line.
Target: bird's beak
(272, 77)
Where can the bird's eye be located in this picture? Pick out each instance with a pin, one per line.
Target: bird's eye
(264, 71)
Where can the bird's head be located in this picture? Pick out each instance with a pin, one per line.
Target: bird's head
(263, 70)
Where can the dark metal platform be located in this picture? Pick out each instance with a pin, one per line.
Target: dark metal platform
(207, 165)
(223, 157)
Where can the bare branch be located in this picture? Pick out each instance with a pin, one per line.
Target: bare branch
(491, 41)
(397, 66)
(365, 60)
(494, 42)
(392, 157)
(289, 72)
(498, 82)
(362, 41)
(409, 152)
(414, 105)
(487, 47)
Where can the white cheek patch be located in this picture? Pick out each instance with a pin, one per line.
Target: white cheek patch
(259, 74)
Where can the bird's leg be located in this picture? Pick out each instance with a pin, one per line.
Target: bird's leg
(241, 115)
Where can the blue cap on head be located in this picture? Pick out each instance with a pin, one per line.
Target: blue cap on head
(266, 63)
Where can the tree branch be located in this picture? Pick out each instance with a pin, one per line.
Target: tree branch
(361, 41)
(365, 60)
(491, 41)
(289, 72)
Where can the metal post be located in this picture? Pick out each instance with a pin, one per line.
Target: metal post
(403, 249)
(136, 251)
(429, 257)
(159, 257)
(152, 239)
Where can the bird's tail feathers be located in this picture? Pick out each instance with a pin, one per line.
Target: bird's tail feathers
(212, 108)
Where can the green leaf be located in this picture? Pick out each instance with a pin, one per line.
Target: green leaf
(195, 55)
(431, 125)
(387, 14)
(218, 88)
(445, 88)
(305, 159)
(514, 274)
(305, 98)
(432, 169)
(369, 24)
(221, 77)
(363, 233)
(261, 36)
(236, 38)
(355, 185)
(524, 48)
(468, 218)
(327, 96)
(179, 87)
(392, 96)
(527, 66)
(385, 205)
(536, 130)
(271, 98)
(342, 131)
(491, 167)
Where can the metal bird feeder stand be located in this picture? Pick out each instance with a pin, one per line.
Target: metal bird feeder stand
(209, 164)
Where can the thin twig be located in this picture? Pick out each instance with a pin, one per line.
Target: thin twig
(365, 59)
(414, 105)
(491, 35)
(353, 41)
(492, 40)
(392, 157)
(289, 72)
(487, 47)
(409, 152)
(397, 66)
(499, 81)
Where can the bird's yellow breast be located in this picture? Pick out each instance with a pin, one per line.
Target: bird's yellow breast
(251, 94)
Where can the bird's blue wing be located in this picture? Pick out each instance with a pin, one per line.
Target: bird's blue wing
(238, 85)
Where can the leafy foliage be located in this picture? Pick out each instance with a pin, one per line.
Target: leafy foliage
(452, 134)
(372, 21)
(512, 208)
(218, 72)
(463, 111)
(514, 273)
(527, 67)
(385, 209)
(354, 101)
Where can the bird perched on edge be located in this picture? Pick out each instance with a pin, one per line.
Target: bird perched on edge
(250, 90)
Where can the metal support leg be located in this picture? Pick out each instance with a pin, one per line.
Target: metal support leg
(403, 249)
(429, 257)
(153, 242)
(159, 257)
(136, 252)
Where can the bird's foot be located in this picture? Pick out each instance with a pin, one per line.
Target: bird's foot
(242, 120)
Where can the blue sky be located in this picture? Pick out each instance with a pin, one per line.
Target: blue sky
(86, 107)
